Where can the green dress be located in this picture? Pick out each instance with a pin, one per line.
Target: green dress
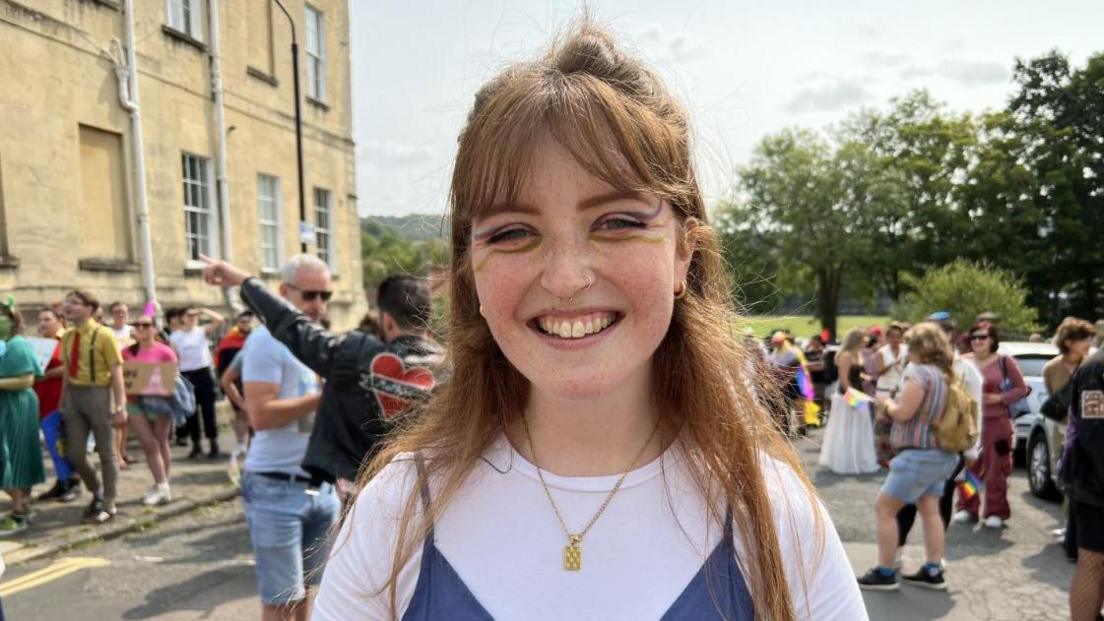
(20, 456)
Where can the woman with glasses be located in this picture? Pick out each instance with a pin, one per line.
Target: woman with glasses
(1002, 385)
(601, 450)
(150, 413)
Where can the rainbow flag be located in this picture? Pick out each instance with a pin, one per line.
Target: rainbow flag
(969, 486)
(855, 398)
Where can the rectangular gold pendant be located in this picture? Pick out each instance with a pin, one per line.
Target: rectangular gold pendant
(573, 557)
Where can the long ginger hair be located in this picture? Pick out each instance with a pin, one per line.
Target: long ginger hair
(616, 119)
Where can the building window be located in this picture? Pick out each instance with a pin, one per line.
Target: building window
(183, 16)
(105, 221)
(268, 215)
(316, 55)
(198, 216)
(323, 225)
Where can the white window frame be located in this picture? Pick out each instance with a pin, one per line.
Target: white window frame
(324, 232)
(203, 190)
(184, 16)
(273, 224)
(314, 44)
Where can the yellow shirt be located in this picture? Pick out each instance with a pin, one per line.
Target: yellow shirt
(102, 354)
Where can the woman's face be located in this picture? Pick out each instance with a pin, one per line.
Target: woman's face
(980, 342)
(1080, 348)
(577, 280)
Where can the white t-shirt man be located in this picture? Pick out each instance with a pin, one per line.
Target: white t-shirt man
(192, 348)
(124, 335)
(500, 535)
(264, 359)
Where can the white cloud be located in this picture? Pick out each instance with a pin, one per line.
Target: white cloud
(883, 59)
(837, 94)
(387, 154)
(974, 72)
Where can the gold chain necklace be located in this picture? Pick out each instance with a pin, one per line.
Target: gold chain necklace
(573, 552)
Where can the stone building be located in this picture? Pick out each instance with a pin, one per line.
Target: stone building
(68, 166)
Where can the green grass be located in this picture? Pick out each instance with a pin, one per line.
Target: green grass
(804, 326)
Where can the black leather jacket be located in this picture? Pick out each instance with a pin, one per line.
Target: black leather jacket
(368, 382)
(1083, 464)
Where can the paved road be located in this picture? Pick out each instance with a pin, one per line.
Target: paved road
(1016, 573)
(197, 566)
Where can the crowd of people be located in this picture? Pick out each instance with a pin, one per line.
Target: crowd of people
(912, 385)
(592, 399)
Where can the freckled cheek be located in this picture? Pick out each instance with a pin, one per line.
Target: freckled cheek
(501, 287)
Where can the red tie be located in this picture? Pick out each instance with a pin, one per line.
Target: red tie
(74, 355)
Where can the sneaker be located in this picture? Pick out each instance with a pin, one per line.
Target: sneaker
(196, 452)
(98, 512)
(14, 523)
(875, 580)
(926, 578)
(963, 516)
(54, 492)
(159, 494)
(993, 521)
(215, 453)
(72, 491)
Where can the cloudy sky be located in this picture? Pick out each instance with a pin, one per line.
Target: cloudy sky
(743, 69)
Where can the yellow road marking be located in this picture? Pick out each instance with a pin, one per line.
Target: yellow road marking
(57, 569)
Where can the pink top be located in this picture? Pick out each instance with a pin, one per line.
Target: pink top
(160, 352)
(992, 379)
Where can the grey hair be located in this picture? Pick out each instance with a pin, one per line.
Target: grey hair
(301, 262)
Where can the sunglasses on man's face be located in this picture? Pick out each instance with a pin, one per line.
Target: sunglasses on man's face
(143, 325)
(979, 337)
(312, 295)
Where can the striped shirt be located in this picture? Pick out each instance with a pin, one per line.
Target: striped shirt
(916, 432)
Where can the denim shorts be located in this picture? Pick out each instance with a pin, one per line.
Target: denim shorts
(289, 530)
(914, 473)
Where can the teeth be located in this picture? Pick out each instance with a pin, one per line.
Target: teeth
(575, 328)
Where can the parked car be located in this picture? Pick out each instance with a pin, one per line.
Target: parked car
(1031, 358)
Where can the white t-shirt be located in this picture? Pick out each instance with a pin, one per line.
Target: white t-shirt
(281, 449)
(894, 366)
(123, 335)
(971, 379)
(192, 348)
(500, 535)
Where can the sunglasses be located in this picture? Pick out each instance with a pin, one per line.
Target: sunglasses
(979, 337)
(143, 324)
(310, 295)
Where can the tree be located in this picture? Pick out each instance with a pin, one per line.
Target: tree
(1058, 113)
(794, 200)
(384, 251)
(966, 290)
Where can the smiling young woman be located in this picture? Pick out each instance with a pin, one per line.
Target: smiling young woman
(602, 449)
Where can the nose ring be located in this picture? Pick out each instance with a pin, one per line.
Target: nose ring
(571, 300)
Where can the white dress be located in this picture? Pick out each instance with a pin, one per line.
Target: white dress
(848, 445)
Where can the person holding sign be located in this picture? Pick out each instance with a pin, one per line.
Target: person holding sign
(21, 461)
(149, 412)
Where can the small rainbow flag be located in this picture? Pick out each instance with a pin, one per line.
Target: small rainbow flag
(855, 398)
(969, 486)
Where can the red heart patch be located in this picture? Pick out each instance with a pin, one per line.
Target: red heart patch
(396, 386)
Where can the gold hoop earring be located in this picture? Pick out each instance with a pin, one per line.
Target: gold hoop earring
(681, 293)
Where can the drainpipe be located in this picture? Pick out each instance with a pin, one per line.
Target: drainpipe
(127, 73)
(222, 178)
